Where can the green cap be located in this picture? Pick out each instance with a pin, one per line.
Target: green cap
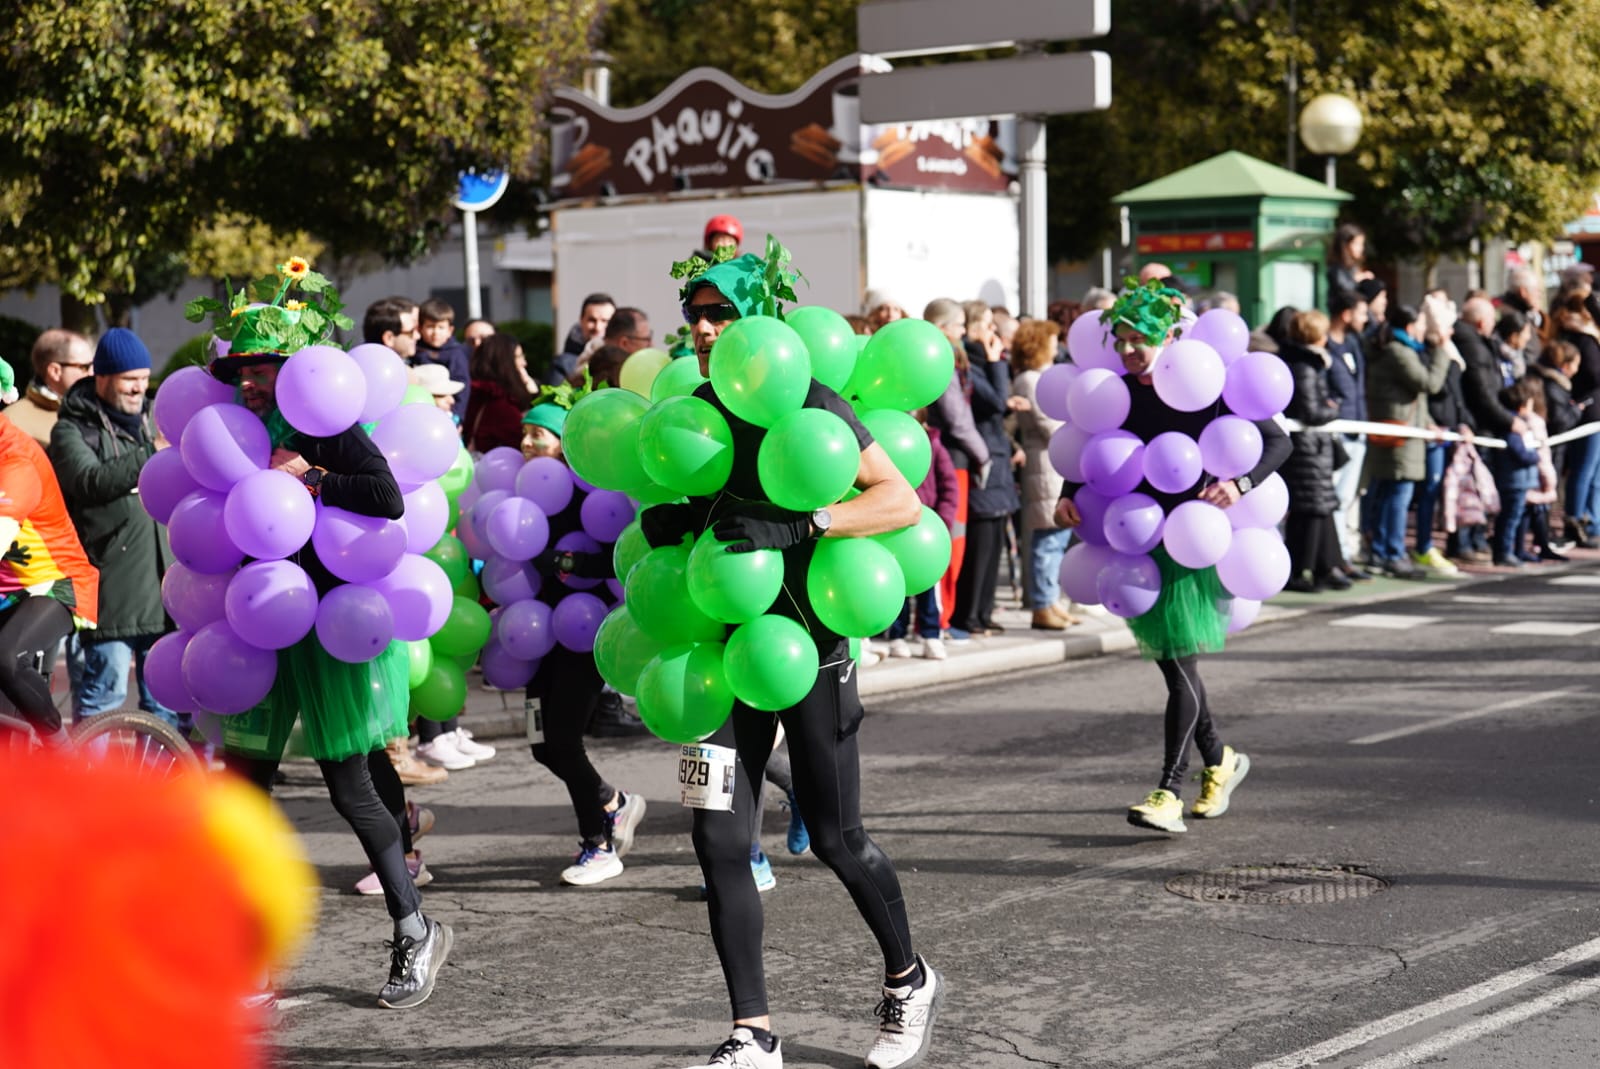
(753, 284)
(549, 415)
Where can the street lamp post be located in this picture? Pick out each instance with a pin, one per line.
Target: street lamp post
(1330, 126)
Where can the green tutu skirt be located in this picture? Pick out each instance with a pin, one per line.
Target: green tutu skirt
(344, 709)
(1190, 616)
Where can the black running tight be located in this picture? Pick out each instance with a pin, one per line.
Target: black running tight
(1188, 720)
(827, 783)
(567, 686)
(33, 627)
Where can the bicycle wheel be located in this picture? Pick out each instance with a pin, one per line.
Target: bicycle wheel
(135, 738)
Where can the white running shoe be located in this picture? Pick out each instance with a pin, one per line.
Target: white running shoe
(469, 747)
(622, 821)
(933, 649)
(906, 1021)
(594, 864)
(442, 753)
(899, 647)
(741, 1051)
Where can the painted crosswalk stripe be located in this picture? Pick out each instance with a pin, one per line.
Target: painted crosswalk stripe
(1576, 580)
(1470, 714)
(1552, 628)
(1385, 621)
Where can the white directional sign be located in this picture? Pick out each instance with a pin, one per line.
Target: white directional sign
(919, 27)
(1025, 85)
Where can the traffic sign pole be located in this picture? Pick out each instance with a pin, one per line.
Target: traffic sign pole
(469, 246)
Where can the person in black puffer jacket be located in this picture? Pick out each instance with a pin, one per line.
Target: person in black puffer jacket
(1315, 561)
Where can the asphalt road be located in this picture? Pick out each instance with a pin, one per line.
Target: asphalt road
(1419, 743)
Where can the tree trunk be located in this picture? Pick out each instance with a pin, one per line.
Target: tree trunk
(1430, 271)
(77, 315)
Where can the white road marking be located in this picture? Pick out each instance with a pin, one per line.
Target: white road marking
(1395, 1022)
(1543, 627)
(1384, 621)
(1470, 714)
(1466, 1033)
(1576, 580)
(300, 1000)
(1477, 599)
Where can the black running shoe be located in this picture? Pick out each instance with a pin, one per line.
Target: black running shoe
(414, 965)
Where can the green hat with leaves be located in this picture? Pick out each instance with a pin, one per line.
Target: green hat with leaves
(753, 284)
(273, 317)
(1151, 309)
(551, 406)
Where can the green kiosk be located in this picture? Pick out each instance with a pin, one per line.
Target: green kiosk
(1237, 223)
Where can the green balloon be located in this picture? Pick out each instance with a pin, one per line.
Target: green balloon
(771, 663)
(922, 550)
(678, 379)
(685, 445)
(442, 692)
(733, 587)
(658, 598)
(651, 494)
(905, 365)
(904, 440)
(830, 341)
(855, 585)
(416, 395)
(420, 656)
(808, 459)
(453, 519)
(629, 550)
(621, 650)
(601, 439)
(684, 694)
(465, 630)
(449, 554)
(468, 588)
(459, 477)
(760, 370)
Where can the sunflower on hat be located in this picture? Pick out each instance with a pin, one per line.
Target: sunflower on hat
(262, 322)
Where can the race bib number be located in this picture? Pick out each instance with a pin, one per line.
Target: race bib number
(705, 776)
(535, 716)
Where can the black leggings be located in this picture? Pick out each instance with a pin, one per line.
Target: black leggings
(366, 792)
(567, 686)
(1188, 720)
(33, 627)
(827, 783)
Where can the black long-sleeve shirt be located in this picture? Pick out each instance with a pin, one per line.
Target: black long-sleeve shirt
(358, 480)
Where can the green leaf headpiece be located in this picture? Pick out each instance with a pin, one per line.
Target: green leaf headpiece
(754, 284)
(1151, 309)
(276, 315)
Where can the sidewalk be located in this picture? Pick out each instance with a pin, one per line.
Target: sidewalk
(496, 714)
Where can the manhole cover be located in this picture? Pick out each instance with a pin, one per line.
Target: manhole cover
(1295, 885)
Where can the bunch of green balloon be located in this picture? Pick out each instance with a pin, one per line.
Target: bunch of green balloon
(455, 481)
(449, 554)
(465, 630)
(678, 379)
(622, 649)
(601, 440)
(903, 439)
(630, 549)
(658, 599)
(684, 694)
(922, 550)
(639, 371)
(419, 659)
(855, 585)
(830, 341)
(442, 692)
(416, 395)
(733, 588)
(685, 446)
(905, 365)
(759, 369)
(808, 459)
(771, 663)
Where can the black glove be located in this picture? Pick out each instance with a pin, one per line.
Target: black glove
(763, 526)
(19, 554)
(666, 525)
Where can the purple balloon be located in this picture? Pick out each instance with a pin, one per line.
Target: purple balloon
(1242, 612)
(1172, 462)
(1091, 343)
(1066, 451)
(579, 542)
(1098, 400)
(497, 469)
(1080, 572)
(272, 604)
(224, 443)
(476, 545)
(516, 529)
(321, 391)
(183, 393)
(547, 482)
(604, 514)
(1050, 392)
(226, 674)
(193, 599)
(385, 375)
(354, 623)
(163, 482)
(1224, 331)
(468, 497)
(426, 518)
(1197, 534)
(1188, 375)
(1092, 505)
(199, 534)
(615, 586)
(1129, 585)
(419, 441)
(1256, 565)
(269, 515)
(577, 619)
(478, 518)
(509, 581)
(1113, 462)
(1263, 506)
(1259, 386)
(1134, 523)
(418, 593)
(1230, 446)
(163, 672)
(356, 548)
(503, 671)
(526, 630)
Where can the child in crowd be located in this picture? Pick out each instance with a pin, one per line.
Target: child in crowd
(436, 344)
(1516, 471)
(1536, 517)
(938, 492)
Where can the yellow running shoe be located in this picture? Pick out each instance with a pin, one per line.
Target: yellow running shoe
(1217, 783)
(1161, 810)
(1436, 562)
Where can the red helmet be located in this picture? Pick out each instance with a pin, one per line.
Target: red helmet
(724, 224)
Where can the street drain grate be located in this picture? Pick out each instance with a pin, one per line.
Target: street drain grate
(1277, 885)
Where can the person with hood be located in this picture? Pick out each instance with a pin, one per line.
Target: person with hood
(1315, 561)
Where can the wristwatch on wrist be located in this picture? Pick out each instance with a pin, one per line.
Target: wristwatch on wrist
(312, 477)
(821, 520)
(1244, 483)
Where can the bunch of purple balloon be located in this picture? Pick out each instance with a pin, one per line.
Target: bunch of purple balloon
(1110, 562)
(505, 522)
(233, 521)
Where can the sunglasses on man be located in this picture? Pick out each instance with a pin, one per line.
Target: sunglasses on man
(715, 313)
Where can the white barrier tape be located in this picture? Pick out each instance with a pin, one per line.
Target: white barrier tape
(1393, 430)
